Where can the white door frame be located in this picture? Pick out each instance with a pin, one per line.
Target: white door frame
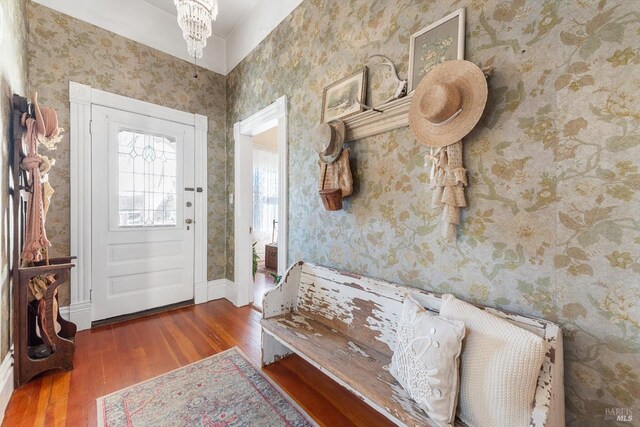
(81, 98)
(243, 132)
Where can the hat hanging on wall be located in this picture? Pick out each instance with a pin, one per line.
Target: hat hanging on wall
(49, 134)
(448, 103)
(329, 140)
(445, 107)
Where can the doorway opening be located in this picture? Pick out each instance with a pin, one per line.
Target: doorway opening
(260, 210)
(265, 212)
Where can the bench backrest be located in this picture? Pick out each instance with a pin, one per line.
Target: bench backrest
(368, 310)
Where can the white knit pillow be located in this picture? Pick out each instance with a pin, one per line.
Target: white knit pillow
(426, 360)
(500, 367)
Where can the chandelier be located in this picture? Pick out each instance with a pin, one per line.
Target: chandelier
(194, 18)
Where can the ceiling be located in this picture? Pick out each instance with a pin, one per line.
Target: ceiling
(267, 140)
(240, 26)
(230, 13)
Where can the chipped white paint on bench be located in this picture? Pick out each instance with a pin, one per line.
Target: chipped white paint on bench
(362, 314)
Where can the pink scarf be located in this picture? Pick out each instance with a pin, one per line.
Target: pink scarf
(35, 234)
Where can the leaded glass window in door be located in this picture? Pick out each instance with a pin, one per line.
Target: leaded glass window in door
(147, 179)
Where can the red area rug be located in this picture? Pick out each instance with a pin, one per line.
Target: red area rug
(222, 390)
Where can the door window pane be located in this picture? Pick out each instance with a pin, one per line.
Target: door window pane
(147, 179)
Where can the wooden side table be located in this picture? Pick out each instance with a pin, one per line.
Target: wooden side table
(271, 256)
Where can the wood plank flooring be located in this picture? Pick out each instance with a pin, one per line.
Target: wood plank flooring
(262, 283)
(115, 356)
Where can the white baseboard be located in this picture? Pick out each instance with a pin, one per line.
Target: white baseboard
(213, 290)
(6, 382)
(231, 292)
(216, 289)
(64, 312)
(200, 293)
(79, 313)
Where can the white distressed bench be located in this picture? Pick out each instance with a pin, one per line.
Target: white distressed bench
(345, 325)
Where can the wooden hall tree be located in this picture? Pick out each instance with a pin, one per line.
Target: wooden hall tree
(42, 339)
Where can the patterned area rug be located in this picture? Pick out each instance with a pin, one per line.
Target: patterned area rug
(221, 390)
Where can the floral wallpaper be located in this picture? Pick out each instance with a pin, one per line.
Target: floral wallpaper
(552, 226)
(63, 49)
(13, 79)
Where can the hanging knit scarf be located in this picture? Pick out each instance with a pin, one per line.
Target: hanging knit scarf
(448, 179)
(35, 234)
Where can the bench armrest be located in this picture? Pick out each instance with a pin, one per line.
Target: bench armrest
(548, 405)
(283, 298)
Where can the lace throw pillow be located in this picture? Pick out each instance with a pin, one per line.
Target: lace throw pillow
(426, 360)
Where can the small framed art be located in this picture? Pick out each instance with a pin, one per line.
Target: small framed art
(441, 41)
(344, 97)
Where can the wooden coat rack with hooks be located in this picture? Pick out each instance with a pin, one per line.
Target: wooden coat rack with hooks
(30, 358)
(384, 118)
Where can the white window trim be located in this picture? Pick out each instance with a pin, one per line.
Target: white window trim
(81, 98)
(267, 118)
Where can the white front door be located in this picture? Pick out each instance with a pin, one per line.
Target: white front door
(142, 198)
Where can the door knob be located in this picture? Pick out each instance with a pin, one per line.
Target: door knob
(189, 204)
(188, 221)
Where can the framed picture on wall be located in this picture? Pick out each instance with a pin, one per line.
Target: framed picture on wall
(344, 97)
(441, 41)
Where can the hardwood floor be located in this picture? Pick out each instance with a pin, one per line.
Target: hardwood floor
(262, 283)
(115, 356)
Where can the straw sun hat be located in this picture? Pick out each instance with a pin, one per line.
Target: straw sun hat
(448, 103)
(329, 140)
